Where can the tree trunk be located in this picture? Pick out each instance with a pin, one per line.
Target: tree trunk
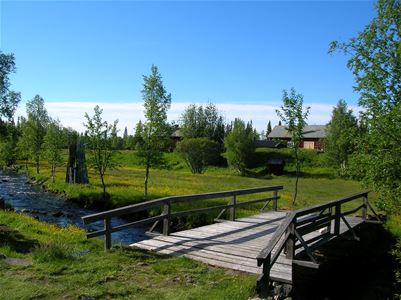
(297, 167)
(76, 168)
(69, 177)
(104, 186)
(81, 170)
(145, 194)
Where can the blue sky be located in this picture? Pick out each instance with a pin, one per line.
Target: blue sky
(239, 55)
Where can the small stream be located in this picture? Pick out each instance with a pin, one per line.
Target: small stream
(17, 192)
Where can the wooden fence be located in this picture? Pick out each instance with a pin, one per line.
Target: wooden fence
(168, 213)
(291, 234)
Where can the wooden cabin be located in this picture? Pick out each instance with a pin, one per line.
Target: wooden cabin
(312, 136)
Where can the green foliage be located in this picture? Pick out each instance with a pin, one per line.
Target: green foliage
(8, 145)
(198, 153)
(155, 132)
(375, 60)
(268, 129)
(293, 115)
(240, 145)
(8, 99)
(7, 152)
(342, 134)
(197, 122)
(99, 138)
(137, 140)
(52, 144)
(117, 142)
(34, 130)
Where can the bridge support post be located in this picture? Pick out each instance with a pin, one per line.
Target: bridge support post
(337, 219)
(365, 207)
(275, 194)
(232, 209)
(107, 234)
(166, 220)
(263, 281)
(290, 245)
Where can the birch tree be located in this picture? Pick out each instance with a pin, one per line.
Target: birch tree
(294, 116)
(155, 131)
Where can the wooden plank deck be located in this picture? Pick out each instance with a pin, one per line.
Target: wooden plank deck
(231, 244)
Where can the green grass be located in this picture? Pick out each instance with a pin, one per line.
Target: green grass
(66, 265)
(125, 185)
(58, 271)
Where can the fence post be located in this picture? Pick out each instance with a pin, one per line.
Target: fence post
(290, 245)
(107, 234)
(275, 194)
(337, 218)
(166, 219)
(264, 278)
(232, 209)
(365, 207)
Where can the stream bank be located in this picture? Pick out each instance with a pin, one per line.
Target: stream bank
(17, 192)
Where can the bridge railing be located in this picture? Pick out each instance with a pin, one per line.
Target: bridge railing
(168, 213)
(308, 228)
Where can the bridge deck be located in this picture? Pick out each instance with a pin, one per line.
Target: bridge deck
(231, 244)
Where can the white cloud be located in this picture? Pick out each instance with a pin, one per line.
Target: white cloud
(71, 114)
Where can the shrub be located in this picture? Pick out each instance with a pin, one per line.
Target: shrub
(198, 153)
(240, 145)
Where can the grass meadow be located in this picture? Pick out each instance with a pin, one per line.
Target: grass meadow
(62, 263)
(125, 184)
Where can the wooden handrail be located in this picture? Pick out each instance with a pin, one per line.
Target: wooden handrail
(167, 213)
(293, 228)
(125, 210)
(332, 203)
(279, 233)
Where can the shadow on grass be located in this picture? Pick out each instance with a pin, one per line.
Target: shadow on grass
(264, 173)
(16, 241)
(140, 254)
(303, 174)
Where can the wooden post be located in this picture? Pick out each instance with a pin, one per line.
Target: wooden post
(232, 209)
(166, 220)
(337, 219)
(264, 278)
(275, 194)
(107, 234)
(290, 245)
(365, 207)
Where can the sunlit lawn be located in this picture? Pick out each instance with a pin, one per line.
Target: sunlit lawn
(125, 184)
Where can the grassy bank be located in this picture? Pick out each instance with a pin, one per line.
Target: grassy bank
(60, 263)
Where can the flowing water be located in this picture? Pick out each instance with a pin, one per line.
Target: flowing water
(24, 197)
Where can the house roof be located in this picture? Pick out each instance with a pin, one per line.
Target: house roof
(177, 133)
(268, 144)
(310, 131)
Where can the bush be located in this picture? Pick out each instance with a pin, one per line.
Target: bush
(240, 145)
(198, 153)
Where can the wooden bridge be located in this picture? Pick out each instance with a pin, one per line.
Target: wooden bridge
(268, 244)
